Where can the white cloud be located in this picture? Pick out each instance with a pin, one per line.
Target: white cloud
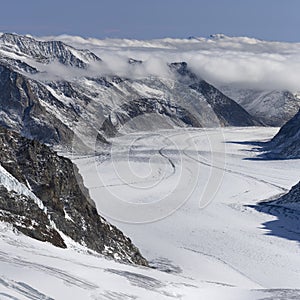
(221, 60)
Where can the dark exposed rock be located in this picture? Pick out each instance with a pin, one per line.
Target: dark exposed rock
(25, 215)
(56, 181)
(182, 69)
(286, 143)
(133, 61)
(292, 197)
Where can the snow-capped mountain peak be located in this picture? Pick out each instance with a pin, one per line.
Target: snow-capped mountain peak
(45, 51)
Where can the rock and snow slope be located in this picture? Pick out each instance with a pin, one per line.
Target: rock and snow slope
(262, 76)
(45, 52)
(42, 195)
(287, 204)
(32, 270)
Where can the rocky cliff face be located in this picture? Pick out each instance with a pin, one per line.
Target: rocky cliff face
(55, 201)
(291, 199)
(286, 209)
(286, 143)
(23, 213)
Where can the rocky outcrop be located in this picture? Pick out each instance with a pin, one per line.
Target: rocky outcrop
(228, 111)
(27, 217)
(56, 182)
(286, 208)
(291, 199)
(286, 143)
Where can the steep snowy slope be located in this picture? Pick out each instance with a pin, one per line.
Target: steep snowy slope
(227, 111)
(31, 270)
(22, 110)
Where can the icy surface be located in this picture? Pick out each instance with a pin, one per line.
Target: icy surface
(225, 240)
(222, 251)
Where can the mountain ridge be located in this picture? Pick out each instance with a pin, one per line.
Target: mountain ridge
(46, 51)
(58, 111)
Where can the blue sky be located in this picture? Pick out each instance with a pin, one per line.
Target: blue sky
(145, 19)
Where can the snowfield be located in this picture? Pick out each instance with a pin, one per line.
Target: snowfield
(188, 200)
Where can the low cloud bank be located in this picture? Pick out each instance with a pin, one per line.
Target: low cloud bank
(221, 60)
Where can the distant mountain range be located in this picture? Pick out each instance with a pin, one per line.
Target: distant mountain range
(56, 110)
(52, 92)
